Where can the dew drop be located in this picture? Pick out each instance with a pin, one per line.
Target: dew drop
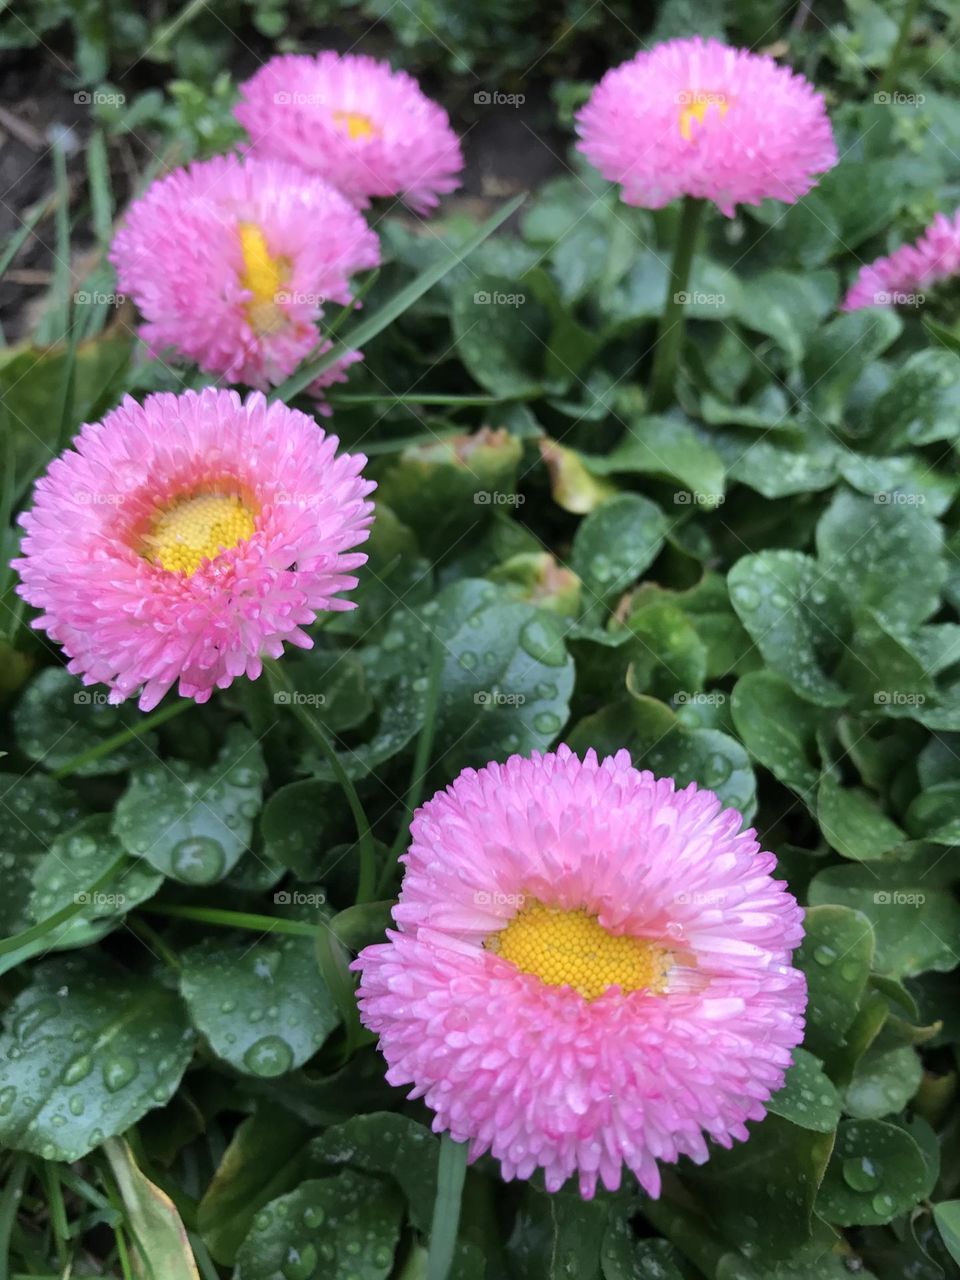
(717, 770)
(746, 596)
(861, 1173)
(198, 860)
(27, 1024)
(119, 1071)
(546, 722)
(269, 1056)
(77, 1069)
(300, 1264)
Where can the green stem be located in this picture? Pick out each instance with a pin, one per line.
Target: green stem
(670, 332)
(9, 1203)
(446, 1209)
(154, 943)
(124, 736)
(427, 398)
(233, 919)
(367, 877)
(334, 966)
(420, 760)
(58, 1213)
(888, 81)
(180, 20)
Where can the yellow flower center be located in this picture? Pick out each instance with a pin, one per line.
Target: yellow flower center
(695, 107)
(573, 948)
(355, 124)
(195, 529)
(264, 276)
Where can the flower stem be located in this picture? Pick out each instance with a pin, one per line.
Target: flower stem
(446, 1209)
(367, 877)
(888, 81)
(233, 919)
(421, 760)
(670, 333)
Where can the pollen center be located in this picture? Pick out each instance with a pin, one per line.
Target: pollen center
(573, 948)
(355, 124)
(695, 107)
(264, 276)
(195, 529)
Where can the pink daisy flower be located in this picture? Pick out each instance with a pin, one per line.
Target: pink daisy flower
(590, 969)
(698, 118)
(369, 130)
(232, 261)
(186, 538)
(898, 278)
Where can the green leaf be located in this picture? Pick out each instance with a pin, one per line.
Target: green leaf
(295, 823)
(836, 955)
(616, 543)
(779, 1168)
(778, 468)
(347, 1225)
(87, 1049)
(876, 1172)
(506, 678)
(882, 554)
(392, 1145)
(669, 448)
(922, 403)
(853, 824)
(947, 1217)
(710, 758)
(261, 1007)
(669, 655)
(161, 1250)
(264, 1160)
(840, 351)
(502, 333)
(657, 740)
(827, 1256)
(57, 719)
(778, 728)
(917, 925)
(796, 616)
(625, 1257)
(449, 491)
(35, 809)
(194, 824)
(559, 1235)
(808, 1097)
(787, 307)
(882, 668)
(883, 1082)
(75, 860)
